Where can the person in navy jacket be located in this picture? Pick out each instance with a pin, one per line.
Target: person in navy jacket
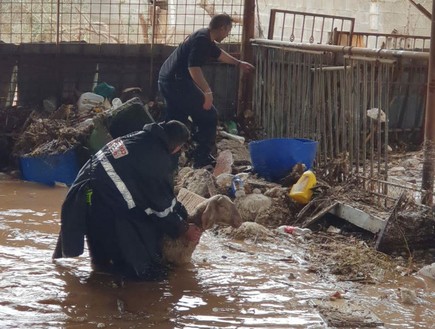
(185, 89)
(123, 202)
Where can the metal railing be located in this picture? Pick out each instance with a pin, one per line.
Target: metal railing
(391, 41)
(303, 27)
(294, 26)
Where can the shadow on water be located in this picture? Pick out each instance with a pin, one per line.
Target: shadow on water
(228, 284)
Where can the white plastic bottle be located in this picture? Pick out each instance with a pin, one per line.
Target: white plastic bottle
(237, 187)
(116, 102)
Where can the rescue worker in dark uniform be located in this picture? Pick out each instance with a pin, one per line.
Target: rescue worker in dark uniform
(123, 202)
(186, 91)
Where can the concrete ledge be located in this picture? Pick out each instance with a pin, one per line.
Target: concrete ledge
(85, 49)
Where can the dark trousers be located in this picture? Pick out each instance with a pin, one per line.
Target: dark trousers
(184, 99)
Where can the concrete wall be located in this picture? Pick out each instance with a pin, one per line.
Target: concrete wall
(382, 16)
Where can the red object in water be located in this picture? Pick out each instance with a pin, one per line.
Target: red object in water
(289, 229)
(337, 295)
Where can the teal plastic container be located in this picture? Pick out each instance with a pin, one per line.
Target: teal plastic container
(105, 90)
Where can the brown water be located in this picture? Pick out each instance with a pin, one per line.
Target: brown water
(228, 285)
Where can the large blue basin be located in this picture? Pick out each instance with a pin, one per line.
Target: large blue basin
(274, 158)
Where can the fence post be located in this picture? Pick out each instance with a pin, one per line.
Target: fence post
(244, 100)
(429, 124)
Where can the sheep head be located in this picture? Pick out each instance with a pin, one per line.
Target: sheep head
(218, 209)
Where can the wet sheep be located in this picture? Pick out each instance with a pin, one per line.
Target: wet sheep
(218, 209)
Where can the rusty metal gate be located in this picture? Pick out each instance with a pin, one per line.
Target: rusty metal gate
(344, 98)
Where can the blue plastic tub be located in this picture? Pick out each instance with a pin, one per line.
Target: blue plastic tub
(49, 169)
(274, 158)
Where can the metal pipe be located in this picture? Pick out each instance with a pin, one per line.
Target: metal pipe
(391, 53)
(423, 10)
(152, 54)
(429, 126)
(271, 23)
(245, 80)
(58, 24)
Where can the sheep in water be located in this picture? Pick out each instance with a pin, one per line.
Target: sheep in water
(218, 209)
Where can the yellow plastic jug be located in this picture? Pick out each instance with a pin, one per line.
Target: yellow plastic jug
(301, 191)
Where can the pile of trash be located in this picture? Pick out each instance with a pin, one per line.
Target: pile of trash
(45, 136)
(92, 121)
(12, 120)
(272, 214)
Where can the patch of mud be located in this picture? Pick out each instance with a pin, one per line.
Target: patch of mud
(348, 258)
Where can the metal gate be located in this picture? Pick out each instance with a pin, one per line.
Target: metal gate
(344, 98)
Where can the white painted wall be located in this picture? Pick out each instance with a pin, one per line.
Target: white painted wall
(384, 15)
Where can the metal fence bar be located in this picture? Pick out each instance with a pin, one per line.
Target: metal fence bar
(345, 50)
(343, 136)
(365, 102)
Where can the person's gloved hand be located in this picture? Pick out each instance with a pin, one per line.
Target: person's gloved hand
(193, 233)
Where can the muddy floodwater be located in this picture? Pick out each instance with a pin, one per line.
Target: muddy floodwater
(230, 284)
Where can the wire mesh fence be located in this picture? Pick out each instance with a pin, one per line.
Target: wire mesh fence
(112, 21)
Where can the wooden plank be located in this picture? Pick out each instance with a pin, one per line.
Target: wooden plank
(314, 218)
